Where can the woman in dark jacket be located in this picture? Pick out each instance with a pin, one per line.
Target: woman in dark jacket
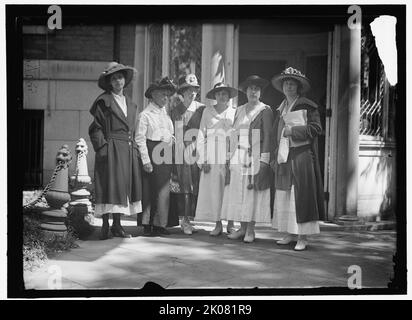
(117, 172)
(298, 204)
(186, 116)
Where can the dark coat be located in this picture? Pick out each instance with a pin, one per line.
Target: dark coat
(302, 167)
(263, 122)
(117, 172)
(186, 175)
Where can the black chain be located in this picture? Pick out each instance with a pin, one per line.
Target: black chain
(60, 165)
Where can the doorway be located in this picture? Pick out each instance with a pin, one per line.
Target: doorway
(31, 147)
(267, 49)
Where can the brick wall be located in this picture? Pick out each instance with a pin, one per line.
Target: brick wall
(65, 84)
(86, 43)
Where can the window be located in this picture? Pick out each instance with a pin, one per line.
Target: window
(155, 51)
(185, 54)
(377, 98)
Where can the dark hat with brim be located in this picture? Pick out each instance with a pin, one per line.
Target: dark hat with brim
(163, 84)
(253, 80)
(291, 73)
(187, 81)
(219, 87)
(113, 67)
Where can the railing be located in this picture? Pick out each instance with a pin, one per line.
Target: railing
(371, 119)
(372, 113)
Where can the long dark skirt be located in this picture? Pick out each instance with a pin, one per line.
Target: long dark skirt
(186, 181)
(152, 184)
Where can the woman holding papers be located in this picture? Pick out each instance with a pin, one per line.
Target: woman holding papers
(298, 204)
(215, 126)
(247, 197)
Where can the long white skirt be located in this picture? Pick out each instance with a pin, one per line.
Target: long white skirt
(242, 204)
(211, 186)
(131, 208)
(284, 215)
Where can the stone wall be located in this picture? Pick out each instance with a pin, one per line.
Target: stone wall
(377, 181)
(61, 69)
(65, 90)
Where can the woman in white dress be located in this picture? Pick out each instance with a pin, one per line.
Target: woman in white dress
(217, 121)
(247, 197)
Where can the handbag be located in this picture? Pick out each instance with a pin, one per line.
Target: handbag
(174, 183)
(283, 150)
(227, 173)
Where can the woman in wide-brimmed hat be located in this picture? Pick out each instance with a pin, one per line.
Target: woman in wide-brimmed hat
(154, 138)
(298, 204)
(117, 173)
(186, 115)
(216, 123)
(247, 197)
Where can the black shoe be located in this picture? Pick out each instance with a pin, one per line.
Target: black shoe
(104, 232)
(160, 231)
(147, 230)
(117, 231)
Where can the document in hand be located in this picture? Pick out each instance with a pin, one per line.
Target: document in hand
(296, 118)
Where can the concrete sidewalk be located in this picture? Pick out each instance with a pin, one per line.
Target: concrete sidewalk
(178, 261)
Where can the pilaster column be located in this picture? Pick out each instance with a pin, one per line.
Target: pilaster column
(218, 57)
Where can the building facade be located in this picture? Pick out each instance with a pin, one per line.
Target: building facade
(357, 104)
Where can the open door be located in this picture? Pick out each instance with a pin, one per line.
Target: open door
(328, 114)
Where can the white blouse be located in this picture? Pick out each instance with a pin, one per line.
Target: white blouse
(154, 124)
(121, 102)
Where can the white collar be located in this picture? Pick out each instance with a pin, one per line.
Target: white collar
(118, 95)
(152, 107)
(193, 106)
(284, 104)
(254, 113)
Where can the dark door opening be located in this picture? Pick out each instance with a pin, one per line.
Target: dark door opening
(267, 51)
(316, 71)
(266, 70)
(32, 148)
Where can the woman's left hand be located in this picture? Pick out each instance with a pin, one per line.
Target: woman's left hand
(288, 131)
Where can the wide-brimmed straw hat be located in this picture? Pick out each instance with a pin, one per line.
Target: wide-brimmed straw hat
(187, 81)
(291, 73)
(219, 87)
(162, 84)
(112, 67)
(253, 80)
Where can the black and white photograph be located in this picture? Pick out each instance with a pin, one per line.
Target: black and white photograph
(206, 150)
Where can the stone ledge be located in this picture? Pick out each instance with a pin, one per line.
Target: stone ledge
(367, 226)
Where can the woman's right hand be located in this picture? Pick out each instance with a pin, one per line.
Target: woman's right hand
(101, 154)
(288, 131)
(148, 167)
(273, 165)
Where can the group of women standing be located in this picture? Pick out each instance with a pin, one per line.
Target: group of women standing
(239, 153)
